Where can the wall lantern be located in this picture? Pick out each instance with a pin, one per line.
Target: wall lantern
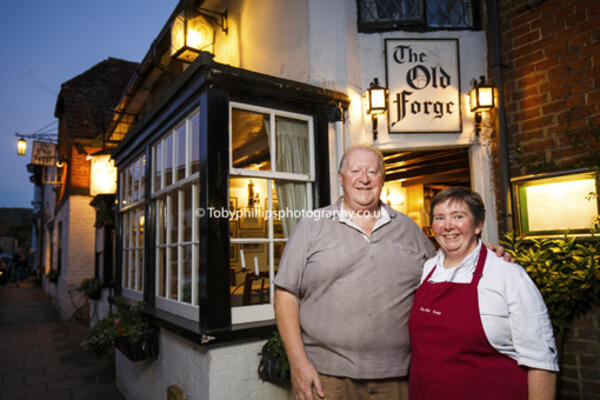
(21, 146)
(193, 31)
(481, 98)
(103, 175)
(376, 102)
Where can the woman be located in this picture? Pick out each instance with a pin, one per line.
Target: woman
(479, 328)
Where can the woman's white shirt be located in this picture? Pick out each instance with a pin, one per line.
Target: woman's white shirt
(513, 314)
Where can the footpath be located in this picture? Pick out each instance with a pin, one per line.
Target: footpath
(41, 356)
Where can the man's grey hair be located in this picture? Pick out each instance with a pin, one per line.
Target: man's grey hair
(368, 147)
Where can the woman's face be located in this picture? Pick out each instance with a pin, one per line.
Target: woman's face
(454, 228)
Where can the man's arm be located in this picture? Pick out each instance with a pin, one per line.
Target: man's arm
(541, 384)
(304, 375)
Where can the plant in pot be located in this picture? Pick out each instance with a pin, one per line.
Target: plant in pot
(128, 329)
(91, 287)
(274, 366)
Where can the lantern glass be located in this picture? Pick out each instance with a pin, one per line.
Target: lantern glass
(481, 98)
(21, 147)
(377, 101)
(103, 177)
(189, 36)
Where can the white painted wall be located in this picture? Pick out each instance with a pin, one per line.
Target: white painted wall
(227, 372)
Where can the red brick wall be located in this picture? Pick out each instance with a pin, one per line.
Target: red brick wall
(551, 55)
(551, 72)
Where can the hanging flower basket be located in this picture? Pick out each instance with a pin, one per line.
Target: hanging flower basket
(138, 348)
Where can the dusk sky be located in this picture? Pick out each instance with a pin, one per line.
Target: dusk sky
(46, 43)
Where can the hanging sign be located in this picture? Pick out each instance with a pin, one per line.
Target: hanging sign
(43, 153)
(424, 85)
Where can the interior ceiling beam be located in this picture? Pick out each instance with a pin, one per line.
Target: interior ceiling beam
(456, 178)
(438, 168)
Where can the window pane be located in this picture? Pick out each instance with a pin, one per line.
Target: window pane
(391, 10)
(161, 221)
(140, 270)
(173, 273)
(161, 275)
(141, 220)
(187, 213)
(250, 281)
(187, 274)
(125, 274)
(449, 13)
(129, 185)
(250, 140)
(142, 168)
(195, 139)
(168, 154)
(291, 199)
(174, 217)
(157, 166)
(247, 202)
(291, 140)
(181, 146)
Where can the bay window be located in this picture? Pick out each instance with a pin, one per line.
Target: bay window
(132, 186)
(175, 191)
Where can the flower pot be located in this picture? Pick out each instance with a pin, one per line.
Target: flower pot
(143, 347)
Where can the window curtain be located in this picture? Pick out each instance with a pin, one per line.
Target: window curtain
(291, 155)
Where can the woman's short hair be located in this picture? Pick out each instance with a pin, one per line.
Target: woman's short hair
(470, 198)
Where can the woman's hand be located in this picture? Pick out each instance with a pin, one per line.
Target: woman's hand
(500, 252)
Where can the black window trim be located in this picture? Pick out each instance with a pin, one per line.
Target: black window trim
(210, 87)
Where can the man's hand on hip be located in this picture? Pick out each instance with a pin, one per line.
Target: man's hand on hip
(304, 378)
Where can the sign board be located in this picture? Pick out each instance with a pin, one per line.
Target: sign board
(424, 85)
(43, 153)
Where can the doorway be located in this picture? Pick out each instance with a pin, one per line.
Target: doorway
(413, 178)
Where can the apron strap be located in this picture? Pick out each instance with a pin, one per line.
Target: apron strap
(479, 268)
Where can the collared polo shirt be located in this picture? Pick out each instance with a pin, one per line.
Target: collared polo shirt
(355, 295)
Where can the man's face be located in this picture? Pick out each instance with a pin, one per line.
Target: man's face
(361, 180)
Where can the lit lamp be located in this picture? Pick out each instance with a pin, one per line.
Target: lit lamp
(103, 175)
(481, 98)
(21, 146)
(192, 32)
(376, 102)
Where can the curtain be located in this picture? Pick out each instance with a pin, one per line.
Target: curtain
(291, 155)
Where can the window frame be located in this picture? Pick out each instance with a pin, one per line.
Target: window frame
(132, 203)
(168, 192)
(263, 312)
(414, 25)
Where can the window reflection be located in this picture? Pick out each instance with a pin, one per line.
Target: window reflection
(250, 140)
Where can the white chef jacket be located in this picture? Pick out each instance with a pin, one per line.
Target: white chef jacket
(513, 313)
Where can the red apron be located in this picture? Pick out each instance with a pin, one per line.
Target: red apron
(451, 357)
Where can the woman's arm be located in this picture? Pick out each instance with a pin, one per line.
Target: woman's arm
(541, 384)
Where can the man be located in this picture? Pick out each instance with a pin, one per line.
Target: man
(347, 278)
(345, 288)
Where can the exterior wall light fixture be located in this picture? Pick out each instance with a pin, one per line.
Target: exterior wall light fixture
(375, 103)
(193, 31)
(21, 146)
(22, 142)
(481, 98)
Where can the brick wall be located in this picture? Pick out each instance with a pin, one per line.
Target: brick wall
(551, 55)
(581, 359)
(551, 72)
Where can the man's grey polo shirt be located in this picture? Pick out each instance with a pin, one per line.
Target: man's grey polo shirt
(355, 295)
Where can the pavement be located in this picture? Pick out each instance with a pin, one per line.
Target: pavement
(41, 356)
